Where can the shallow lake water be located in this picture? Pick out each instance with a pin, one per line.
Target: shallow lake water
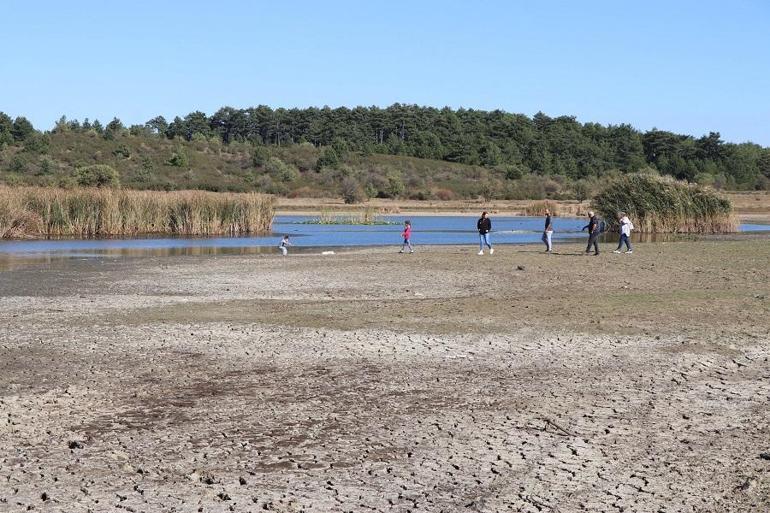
(307, 236)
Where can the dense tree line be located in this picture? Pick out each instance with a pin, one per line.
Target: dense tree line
(540, 145)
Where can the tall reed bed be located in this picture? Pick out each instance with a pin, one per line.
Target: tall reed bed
(36, 212)
(662, 205)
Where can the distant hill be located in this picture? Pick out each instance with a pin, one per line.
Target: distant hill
(402, 151)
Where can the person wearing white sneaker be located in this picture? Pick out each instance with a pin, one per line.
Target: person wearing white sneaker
(548, 232)
(484, 225)
(625, 232)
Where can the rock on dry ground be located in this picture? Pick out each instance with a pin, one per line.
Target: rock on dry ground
(372, 381)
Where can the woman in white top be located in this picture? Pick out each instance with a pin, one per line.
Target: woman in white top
(625, 232)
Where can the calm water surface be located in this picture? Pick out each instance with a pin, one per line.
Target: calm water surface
(426, 230)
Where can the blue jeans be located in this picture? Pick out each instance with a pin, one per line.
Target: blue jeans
(484, 239)
(547, 240)
(407, 244)
(624, 239)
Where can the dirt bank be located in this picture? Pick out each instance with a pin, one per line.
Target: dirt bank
(749, 206)
(373, 381)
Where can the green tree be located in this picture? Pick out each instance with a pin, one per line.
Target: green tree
(37, 143)
(22, 129)
(764, 162)
(490, 154)
(340, 147)
(62, 125)
(196, 123)
(113, 129)
(157, 125)
(6, 129)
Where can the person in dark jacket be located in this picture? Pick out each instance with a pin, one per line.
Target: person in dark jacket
(548, 232)
(593, 233)
(484, 225)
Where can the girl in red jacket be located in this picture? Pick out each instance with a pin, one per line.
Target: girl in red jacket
(407, 234)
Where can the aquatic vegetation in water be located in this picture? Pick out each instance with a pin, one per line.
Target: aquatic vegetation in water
(37, 212)
(665, 205)
(368, 216)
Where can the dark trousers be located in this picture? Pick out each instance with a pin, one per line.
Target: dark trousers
(624, 240)
(593, 240)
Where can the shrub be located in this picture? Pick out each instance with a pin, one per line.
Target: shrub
(395, 186)
(259, 156)
(581, 190)
(352, 191)
(551, 187)
(18, 164)
(659, 205)
(328, 158)
(513, 173)
(178, 158)
(370, 189)
(46, 166)
(122, 151)
(97, 175)
(37, 143)
(538, 208)
(280, 170)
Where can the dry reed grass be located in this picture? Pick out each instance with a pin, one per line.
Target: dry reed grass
(662, 205)
(37, 212)
(538, 208)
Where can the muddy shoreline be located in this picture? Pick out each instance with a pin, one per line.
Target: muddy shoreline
(373, 381)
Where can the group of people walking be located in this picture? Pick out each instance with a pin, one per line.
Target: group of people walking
(595, 228)
(484, 226)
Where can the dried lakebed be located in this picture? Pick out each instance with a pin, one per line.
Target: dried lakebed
(372, 381)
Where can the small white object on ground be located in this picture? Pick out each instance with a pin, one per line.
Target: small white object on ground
(327, 252)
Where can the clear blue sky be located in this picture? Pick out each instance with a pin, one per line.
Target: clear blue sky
(685, 66)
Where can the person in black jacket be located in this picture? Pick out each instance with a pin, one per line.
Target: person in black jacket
(484, 225)
(548, 232)
(593, 233)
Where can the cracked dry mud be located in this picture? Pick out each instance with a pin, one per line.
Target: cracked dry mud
(372, 381)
